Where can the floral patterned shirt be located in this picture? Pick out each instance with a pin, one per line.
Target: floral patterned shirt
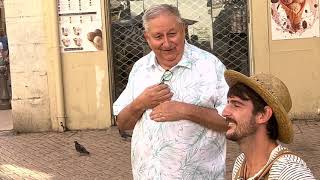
(179, 149)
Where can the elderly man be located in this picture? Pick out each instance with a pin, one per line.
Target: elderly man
(173, 100)
(257, 117)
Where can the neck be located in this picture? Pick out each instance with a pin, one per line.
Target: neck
(257, 151)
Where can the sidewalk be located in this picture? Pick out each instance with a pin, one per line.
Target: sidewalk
(5, 120)
(52, 155)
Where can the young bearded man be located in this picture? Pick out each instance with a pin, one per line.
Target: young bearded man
(257, 116)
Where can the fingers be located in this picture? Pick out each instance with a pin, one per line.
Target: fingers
(154, 115)
(163, 90)
(166, 97)
(157, 86)
(155, 94)
(158, 116)
(161, 109)
(160, 87)
(161, 93)
(153, 86)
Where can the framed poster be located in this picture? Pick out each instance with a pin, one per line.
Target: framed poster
(291, 19)
(80, 25)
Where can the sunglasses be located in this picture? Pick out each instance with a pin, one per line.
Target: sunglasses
(167, 75)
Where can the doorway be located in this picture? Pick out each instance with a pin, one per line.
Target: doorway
(5, 82)
(217, 26)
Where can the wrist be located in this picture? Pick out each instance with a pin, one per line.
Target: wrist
(183, 110)
(138, 105)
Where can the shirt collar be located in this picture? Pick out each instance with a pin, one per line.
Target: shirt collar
(184, 62)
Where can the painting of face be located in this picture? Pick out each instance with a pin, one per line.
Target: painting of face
(240, 118)
(166, 36)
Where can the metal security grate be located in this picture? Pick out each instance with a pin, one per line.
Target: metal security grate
(218, 26)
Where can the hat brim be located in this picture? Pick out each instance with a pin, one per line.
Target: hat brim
(285, 129)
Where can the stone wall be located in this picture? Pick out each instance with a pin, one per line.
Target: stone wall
(28, 64)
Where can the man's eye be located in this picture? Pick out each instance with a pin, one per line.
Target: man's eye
(172, 34)
(236, 105)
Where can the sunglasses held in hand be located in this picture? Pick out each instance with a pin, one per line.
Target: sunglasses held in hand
(167, 75)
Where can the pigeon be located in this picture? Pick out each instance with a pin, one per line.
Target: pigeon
(82, 150)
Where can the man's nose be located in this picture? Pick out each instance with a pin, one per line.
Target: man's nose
(226, 112)
(166, 41)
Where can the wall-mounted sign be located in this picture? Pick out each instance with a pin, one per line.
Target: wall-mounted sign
(80, 25)
(292, 19)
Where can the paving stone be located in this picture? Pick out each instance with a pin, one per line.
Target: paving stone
(52, 155)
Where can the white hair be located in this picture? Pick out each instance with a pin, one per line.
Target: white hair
(156, 10)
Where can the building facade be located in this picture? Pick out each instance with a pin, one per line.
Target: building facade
(54, 90)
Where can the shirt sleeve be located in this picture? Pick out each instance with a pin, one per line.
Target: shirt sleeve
(211, 84)
(126, 97)
(222, 88)
(290, 167)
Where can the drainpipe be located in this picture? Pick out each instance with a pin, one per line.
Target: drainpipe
(55, 54)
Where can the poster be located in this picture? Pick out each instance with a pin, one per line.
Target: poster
(80, 25)
(291, 19)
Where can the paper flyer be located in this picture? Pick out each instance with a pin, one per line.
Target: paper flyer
(80, 25)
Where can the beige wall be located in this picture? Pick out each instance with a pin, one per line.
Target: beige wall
(296, 62)
(29, 76)
(86, 90)
(34, 60)
(35, 82)
(86, 84)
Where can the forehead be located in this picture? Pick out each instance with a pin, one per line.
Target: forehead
(163, 22)
(238, 100)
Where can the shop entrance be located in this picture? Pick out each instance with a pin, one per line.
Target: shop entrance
(218, 26)
(5, 83)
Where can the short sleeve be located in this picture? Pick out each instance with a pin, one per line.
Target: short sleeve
(290, 167)
(222, 88)
(126, 97)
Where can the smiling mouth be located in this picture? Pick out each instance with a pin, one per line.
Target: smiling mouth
(231, 122)
(167, 49)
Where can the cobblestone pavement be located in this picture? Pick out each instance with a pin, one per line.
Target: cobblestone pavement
(5, 120)
(52, 155)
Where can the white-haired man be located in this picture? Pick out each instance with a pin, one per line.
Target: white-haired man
(173, 100)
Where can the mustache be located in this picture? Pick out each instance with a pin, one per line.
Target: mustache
(231, 120)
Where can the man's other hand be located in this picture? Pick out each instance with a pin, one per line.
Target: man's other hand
(167, 111)
(153, 95)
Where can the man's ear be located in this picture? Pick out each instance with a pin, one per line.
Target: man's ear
(263, 117)
(183, 27)
(146, 36)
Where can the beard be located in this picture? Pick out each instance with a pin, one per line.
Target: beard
(241, 130)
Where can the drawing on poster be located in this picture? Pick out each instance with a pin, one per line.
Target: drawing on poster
(292, 19)
(80, 25)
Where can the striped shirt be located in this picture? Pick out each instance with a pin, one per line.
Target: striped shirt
(287, 167)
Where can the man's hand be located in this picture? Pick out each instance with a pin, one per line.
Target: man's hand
(175, 111)
(153, 95)
(167, 111)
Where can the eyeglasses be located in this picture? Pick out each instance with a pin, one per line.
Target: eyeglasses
(167, 75)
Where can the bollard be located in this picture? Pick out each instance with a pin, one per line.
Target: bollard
(4, 94)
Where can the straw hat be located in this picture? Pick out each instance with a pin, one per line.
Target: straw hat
(274, 92)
